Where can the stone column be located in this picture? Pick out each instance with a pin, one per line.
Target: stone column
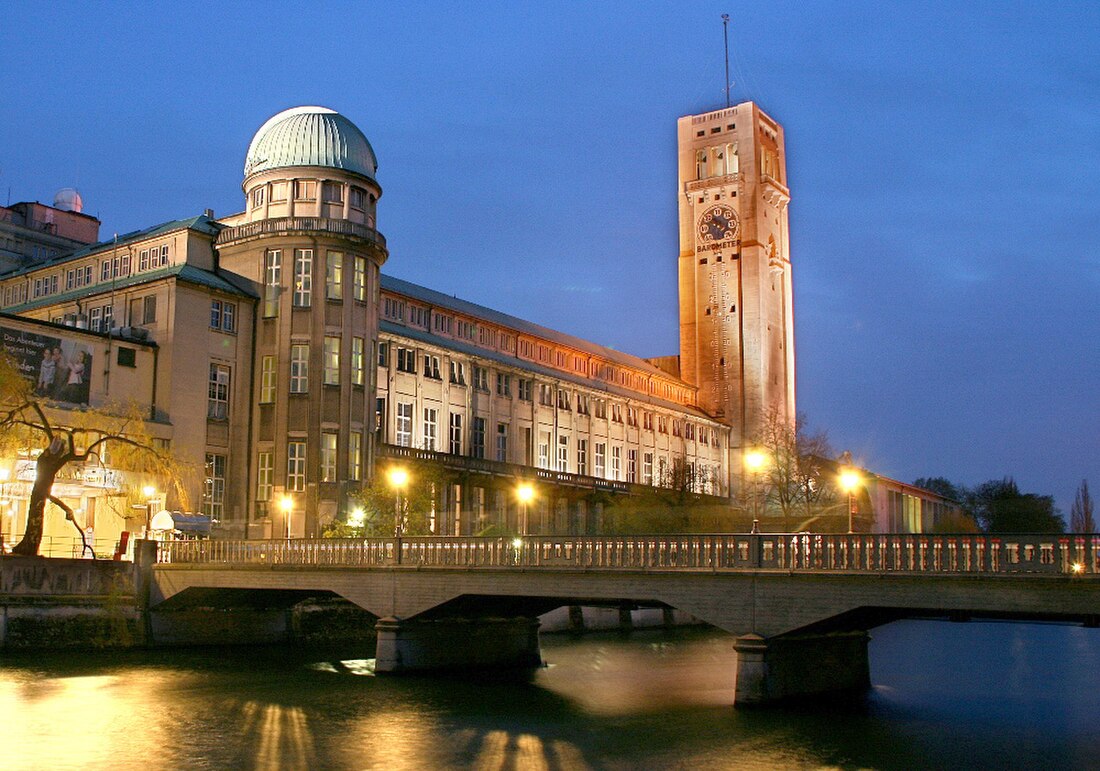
(785, 668)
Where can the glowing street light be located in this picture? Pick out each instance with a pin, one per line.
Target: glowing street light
(525, 493)
(398, 478)
(850, 480)
(286, 503)
(754, 463)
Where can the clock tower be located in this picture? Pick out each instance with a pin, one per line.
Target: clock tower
(736, 319)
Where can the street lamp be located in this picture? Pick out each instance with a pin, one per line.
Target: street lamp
(286, 503)
(398, 478)
(525, 493)
(754, 463)
(148, 491)
(849, 481)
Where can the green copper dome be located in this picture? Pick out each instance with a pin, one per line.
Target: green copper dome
(310, 136)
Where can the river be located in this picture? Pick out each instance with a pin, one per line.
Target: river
(975, 695)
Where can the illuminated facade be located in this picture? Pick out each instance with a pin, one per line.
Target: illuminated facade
(286, 363)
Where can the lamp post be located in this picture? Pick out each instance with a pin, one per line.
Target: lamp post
(398, 478)
(754, 464)
(525, 493)
(148, 491)
(286, 503)
(849, 481)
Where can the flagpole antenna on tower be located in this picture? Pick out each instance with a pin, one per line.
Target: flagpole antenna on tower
(726, 35)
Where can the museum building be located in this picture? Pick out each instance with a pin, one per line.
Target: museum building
(282, 362)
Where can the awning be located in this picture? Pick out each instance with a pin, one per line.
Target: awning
(197, 524)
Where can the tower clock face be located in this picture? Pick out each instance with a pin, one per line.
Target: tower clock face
(718, 223)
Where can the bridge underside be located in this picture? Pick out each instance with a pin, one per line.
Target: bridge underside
(798, 634)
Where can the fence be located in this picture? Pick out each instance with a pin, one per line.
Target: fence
(1066, 554)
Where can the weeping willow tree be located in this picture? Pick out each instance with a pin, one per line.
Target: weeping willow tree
(54, 437)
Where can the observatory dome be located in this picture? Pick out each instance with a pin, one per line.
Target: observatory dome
(68, 199)
(310, 136)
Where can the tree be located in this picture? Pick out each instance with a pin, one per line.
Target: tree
(796, 474)
(27, 420)
(940, 486)
(1081, 518)
(377, 504)
(1000, 507)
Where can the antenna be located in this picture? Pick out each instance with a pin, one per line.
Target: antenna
(726, 35)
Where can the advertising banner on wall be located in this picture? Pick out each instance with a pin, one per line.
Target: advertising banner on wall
(59, 369)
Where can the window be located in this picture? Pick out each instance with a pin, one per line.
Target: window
(393, 309)
(357, 197)
(383, 354)
(647, 468)
(332, 361)
(213, 491)
(332, 192)
(430, 419)
(631, 465)
(379, 418)
(303, 277)
(601, 408)
(546, 394)
(601, 459)
(418, 316)
(334, 276)
(458, 373)
(359, 279)
(477, 441)
(404, 424)
(631, 417)
(563, 399)
(328, 457)
(278, 192)
(305, 190)
(355, 455)
(431, 367)
(296, 466)
(582, 404)
(358, 361)
(456, 433)
(257, 197)
(504, 384)
(229, 317)
(582, 456)
(617, 413)
(544, 450)
(273, 273)
(149, 310)
(95, 319)
(616, 463)
(524, 386)
(443, 324)
(502, 442)
(265, 475)
(406, 360)
(299, 369)
(217, 405)
(662, 424)
(268, 377)
(563, 453)
(481, 378)
(647, 421)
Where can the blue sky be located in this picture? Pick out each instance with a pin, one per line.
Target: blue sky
(942, 159)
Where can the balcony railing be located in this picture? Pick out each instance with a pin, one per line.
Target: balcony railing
(1071, 555)
(299, 224)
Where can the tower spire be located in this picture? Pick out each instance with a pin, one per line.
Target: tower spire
(726, 35)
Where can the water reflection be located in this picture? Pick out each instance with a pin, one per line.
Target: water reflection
(962, 695)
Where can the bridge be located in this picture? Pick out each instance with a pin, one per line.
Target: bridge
(799, 605)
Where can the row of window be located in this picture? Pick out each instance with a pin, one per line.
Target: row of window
(81, 276)
(296, 464)
(549, 396)
(430, 440)
(300, 367)
(335, 266)
(306, 190)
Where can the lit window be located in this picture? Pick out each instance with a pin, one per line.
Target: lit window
(296, 466)
(334, 276)
(430, 417)
(332, 361)
(303, 277)
(213, 491)
(273, 272)
(328, 457)
(217, 406)
(358, 361)
(456, 433)
(265, 474)
(355, 455)
(563, 453)
(299, 369)
(404, 424)
(359, 279)
(267, 380)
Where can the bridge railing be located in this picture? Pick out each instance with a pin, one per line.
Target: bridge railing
(1069, 554)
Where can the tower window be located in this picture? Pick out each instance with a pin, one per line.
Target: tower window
(731, 127)
(700, 133)
(716, 129)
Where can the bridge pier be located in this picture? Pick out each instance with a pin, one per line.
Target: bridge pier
(784, 668)
(459, 643)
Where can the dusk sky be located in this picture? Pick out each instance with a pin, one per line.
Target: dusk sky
(942, 160)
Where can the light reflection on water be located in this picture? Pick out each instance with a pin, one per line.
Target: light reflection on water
(946, 695)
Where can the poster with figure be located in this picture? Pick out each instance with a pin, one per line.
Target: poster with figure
(59, 369)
